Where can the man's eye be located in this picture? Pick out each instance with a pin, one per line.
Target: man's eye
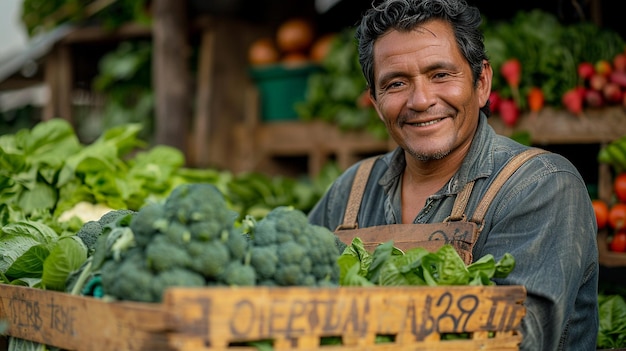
(440, 75)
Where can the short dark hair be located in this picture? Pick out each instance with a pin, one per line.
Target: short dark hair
(404, 15)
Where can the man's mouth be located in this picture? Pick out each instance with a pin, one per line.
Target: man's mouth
(424, 124)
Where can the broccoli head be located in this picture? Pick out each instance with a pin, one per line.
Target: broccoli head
(175, 277)
(128, 279)
(191, 239)
(288, 250)
(92, 230)
(264, 259)
(89, 234)
(199, 202)
(132, 279)
(209, 258)
(239, 274)
(113, 216)
(163, 254)
(146, 222)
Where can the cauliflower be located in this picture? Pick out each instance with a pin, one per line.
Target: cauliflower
(85, 211)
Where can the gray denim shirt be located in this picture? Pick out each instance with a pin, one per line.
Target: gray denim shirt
(542, 216)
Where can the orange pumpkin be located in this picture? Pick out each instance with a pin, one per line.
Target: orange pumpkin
(295, 35)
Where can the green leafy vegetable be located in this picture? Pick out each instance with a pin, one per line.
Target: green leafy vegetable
(33, 254)
(612, 331)
(387, 266)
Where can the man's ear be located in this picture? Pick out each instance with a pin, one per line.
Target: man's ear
(483, 87)
(374, 101)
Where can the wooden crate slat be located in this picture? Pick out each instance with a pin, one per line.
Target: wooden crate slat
(81, 323)
(295, 318)
(509, 343)
(220, 316)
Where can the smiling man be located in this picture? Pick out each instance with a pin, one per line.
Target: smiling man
(430, 79)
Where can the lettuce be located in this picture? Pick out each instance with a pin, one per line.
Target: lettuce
(389, 266)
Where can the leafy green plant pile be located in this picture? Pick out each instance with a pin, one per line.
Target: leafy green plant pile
(389, 266)
(612, 332)
(549, 51)
(40, 16)
(47, 171)
(47, 175)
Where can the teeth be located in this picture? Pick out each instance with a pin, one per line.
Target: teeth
(426, 123)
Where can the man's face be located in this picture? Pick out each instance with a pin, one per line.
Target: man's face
(424, 90)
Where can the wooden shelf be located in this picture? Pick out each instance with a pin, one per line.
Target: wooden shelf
(318, 141)
(258, 142)
(552, 126)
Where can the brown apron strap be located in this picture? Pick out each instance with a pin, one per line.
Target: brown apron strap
(356, 194)
(458, 210)
(501, 178)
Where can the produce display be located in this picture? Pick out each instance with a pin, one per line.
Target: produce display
(194, 235)
(611, 213)
(540, 62)
(294, 42)
(192, 239)
(535, 60)
(52, 185)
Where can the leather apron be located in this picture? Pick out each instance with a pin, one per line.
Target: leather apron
(459, 230)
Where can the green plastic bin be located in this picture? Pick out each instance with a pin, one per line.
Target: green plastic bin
(280, 88)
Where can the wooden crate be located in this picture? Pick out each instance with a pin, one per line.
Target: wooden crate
(294, 318)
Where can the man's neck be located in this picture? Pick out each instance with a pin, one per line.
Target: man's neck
(421, 179)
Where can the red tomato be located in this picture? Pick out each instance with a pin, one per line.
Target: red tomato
(617, 216)
(618, 244)
(601, 210)
(619, 187)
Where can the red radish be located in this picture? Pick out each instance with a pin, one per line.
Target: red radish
(593, 98)
(603, 67)
(598, 81)
(512, 71)
(573, 101)
(509, 113)
(619, 78)
(494, 101)
(535, 99)
(619, 62)
(612, 93)
(586, 70)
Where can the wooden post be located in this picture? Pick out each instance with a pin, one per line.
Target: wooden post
(204, 93)
(171, 73)
(66, 86)
(59, 78)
